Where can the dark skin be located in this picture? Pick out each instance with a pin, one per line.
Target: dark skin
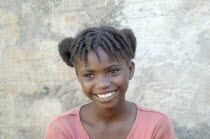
(111, 116)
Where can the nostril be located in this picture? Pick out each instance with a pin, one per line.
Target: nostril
(103, 83)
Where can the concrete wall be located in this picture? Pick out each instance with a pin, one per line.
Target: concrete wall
(172, 60)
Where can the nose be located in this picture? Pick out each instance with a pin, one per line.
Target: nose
(103, 82)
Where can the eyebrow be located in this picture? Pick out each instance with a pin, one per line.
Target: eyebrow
(109, 67)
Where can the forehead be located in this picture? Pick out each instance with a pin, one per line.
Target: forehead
(103, 60)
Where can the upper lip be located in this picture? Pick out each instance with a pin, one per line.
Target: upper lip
(104, 92)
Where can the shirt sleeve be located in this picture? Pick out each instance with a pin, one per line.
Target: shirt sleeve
(164, 130)
(52, 133)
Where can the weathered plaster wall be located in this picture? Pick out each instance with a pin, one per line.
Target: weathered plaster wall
(172, 61)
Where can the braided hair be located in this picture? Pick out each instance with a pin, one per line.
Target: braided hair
(115, 42)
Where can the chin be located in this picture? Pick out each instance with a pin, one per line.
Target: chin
(110, 105)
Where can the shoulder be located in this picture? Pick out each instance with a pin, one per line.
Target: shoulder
(66, 117)
(65, 125)
(156, 123)
(152, 114)
(151, 118)
(61, 126)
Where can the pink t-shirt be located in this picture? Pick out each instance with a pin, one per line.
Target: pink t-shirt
(149, 124)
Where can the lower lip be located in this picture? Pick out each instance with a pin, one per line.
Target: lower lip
(108, 98)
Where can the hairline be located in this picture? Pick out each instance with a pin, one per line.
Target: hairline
(116, 57)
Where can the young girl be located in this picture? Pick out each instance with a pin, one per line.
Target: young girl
(102, 61)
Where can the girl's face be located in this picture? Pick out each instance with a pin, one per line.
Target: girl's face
(106, 81)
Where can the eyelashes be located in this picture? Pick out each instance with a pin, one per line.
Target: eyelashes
(88, 75)
(114, 71)
(110, 72)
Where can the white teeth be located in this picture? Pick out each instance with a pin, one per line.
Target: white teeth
(106, 95)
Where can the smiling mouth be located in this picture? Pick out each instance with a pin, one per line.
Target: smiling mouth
(106, 95)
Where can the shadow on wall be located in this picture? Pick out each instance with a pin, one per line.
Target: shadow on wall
(197, 132)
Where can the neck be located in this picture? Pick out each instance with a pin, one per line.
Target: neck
(116, 113)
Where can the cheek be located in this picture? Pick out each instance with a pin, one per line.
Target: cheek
(86, 86)
(86, 90)
(122, 80)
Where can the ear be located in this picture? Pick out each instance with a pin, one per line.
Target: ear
(131, 69)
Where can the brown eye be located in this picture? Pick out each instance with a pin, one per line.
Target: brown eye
(88, 75)
(114, 71)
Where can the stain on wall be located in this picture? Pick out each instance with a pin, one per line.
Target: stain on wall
(172, 60)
